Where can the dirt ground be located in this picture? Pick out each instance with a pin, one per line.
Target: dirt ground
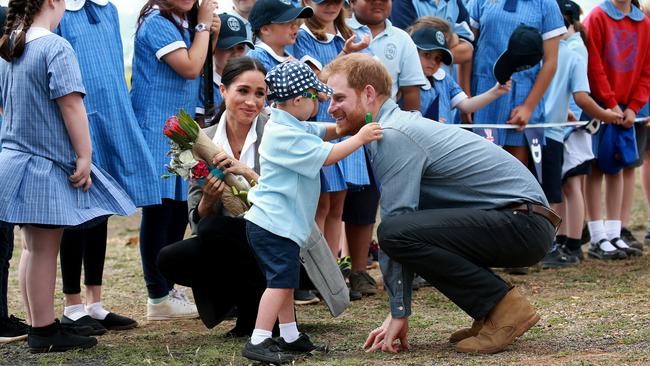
(595, 314)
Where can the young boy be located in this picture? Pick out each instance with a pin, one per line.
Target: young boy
(284, 202)
(441, 93)
(392, 46)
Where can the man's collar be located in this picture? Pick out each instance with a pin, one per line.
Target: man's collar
(76, 5)
(609, 8)
(386, 108)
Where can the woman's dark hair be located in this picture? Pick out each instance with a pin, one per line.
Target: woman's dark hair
(235, 67)
(166, 11)
(20, 16)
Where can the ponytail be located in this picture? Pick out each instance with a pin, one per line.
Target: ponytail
(20, 16)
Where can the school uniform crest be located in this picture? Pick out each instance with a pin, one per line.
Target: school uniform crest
(233, 24)
(390, 51)
(288, 2)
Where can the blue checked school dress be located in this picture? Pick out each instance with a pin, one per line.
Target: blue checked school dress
(496, 20)
(351, 171)
(118, 144)
(37, 156)
(158, 92)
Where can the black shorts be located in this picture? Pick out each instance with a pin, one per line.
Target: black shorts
(42, 226)
(552, 158)
(582, 169)
(360, 207)
(642, 145)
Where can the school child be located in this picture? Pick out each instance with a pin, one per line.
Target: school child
(242, 10)
(93, 30)
(230, 42)
(441, 94)
(392, 46)
(321, 39)
(47, 179)
(619, 73)
(275, 28)
(570, 80)
(167, 61)
(284, 202)
(493, 23)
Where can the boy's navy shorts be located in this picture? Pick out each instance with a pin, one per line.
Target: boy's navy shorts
(277, 256)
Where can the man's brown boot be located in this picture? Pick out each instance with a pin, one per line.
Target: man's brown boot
(510, 318)
(461, 334)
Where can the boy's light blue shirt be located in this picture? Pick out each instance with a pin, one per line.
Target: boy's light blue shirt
(292, 153)
(570, 78)
(396, 50)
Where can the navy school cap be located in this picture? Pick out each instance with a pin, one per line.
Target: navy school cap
(276, 12)
(232, 32)
(616, 148)
(570, 9)
(525, 50)
(432, 39)
(292, 78)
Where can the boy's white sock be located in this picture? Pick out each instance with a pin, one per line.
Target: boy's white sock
(289, 332)
(75, 312)
(613, 229)
(260, 335)
(96, 311)
(597, 231)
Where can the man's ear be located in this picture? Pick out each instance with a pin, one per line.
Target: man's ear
(370, 94)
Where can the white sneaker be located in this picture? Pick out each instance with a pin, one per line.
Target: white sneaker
(180, 295)
(170, 309)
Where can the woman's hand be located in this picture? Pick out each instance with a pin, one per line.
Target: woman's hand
(206, 12)
(230, 165)
(351, 46)
(81, 176)
(212, 189)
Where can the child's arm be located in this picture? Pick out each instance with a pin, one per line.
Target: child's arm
(330, 132)
(473, 104)
(590, 107)
(410, 97)
(366, 134)
(76, 122)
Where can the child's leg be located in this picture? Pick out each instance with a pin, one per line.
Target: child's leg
(22, 279)
(322, 210)
(273, 302)
(614, 195)
(519, 152)
(333, 221)
(575, 207)
(40, 272)
(593, 194)
(629, 178)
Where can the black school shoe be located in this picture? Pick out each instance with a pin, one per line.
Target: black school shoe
(630, 239)
(12, 329)
(117, 322)
(629, 251)
(268, 351)
(596, 252)
(80, 325)
(53, 338)
(557, 258)
(301, 345)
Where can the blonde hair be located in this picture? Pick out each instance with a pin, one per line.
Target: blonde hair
(361, 70)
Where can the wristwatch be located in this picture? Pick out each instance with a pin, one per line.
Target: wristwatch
(201, 27)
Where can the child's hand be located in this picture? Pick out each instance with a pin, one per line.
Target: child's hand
(216, 26)
(628, 118)
(370, 132)
(571, 117)
(520, 116)
(350, 46)
(614, 117)
(500, 90)
(81, 176)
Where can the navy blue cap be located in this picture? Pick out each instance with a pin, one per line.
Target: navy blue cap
(616, 148)
(232, 32)
(432, 39)
(276, 12)
(292, 78)
(525, 50)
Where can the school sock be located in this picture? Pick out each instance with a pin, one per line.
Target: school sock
(561, 239)
(260, 335)
(573, 243)
(289, 332)
(96, 311)
(157, 300)
(597, 231)
(613, 229)
(74, 312)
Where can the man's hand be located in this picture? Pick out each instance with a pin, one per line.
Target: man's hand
(383, 337)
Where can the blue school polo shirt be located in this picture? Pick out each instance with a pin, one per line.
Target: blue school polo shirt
(570, 77)
(396, 50)
(292, 153)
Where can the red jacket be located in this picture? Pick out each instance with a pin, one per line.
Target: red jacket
(619, 56)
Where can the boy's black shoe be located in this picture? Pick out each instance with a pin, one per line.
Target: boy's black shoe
(12, 329)
(301, 345)
(573, 252)
(630, 239)
(267, 351)
(117, 322)
(80, 325)
(53, 338)
(595, 251)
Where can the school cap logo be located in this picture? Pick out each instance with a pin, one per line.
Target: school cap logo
(288, 2)
(233, 24)
(440, 37)
(390, 51)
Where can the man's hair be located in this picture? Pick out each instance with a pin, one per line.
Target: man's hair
(361, 70)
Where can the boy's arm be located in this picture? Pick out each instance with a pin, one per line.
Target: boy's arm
(410, 97)
(330, 132)
(368, 133)
(590, 107)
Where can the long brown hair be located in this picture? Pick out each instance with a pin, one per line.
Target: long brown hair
(166, 11)
(318, 28)
(20, 16)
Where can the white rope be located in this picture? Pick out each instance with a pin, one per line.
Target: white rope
(538, 125)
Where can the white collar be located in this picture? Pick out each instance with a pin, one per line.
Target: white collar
(354, 24)
(438, 75)
(176, 18)
(268, 49)
(34, 33)
(76, 5)
(330, 37)
(247, 155)
(216, 78)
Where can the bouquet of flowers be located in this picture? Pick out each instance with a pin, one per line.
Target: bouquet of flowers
(191, 150)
